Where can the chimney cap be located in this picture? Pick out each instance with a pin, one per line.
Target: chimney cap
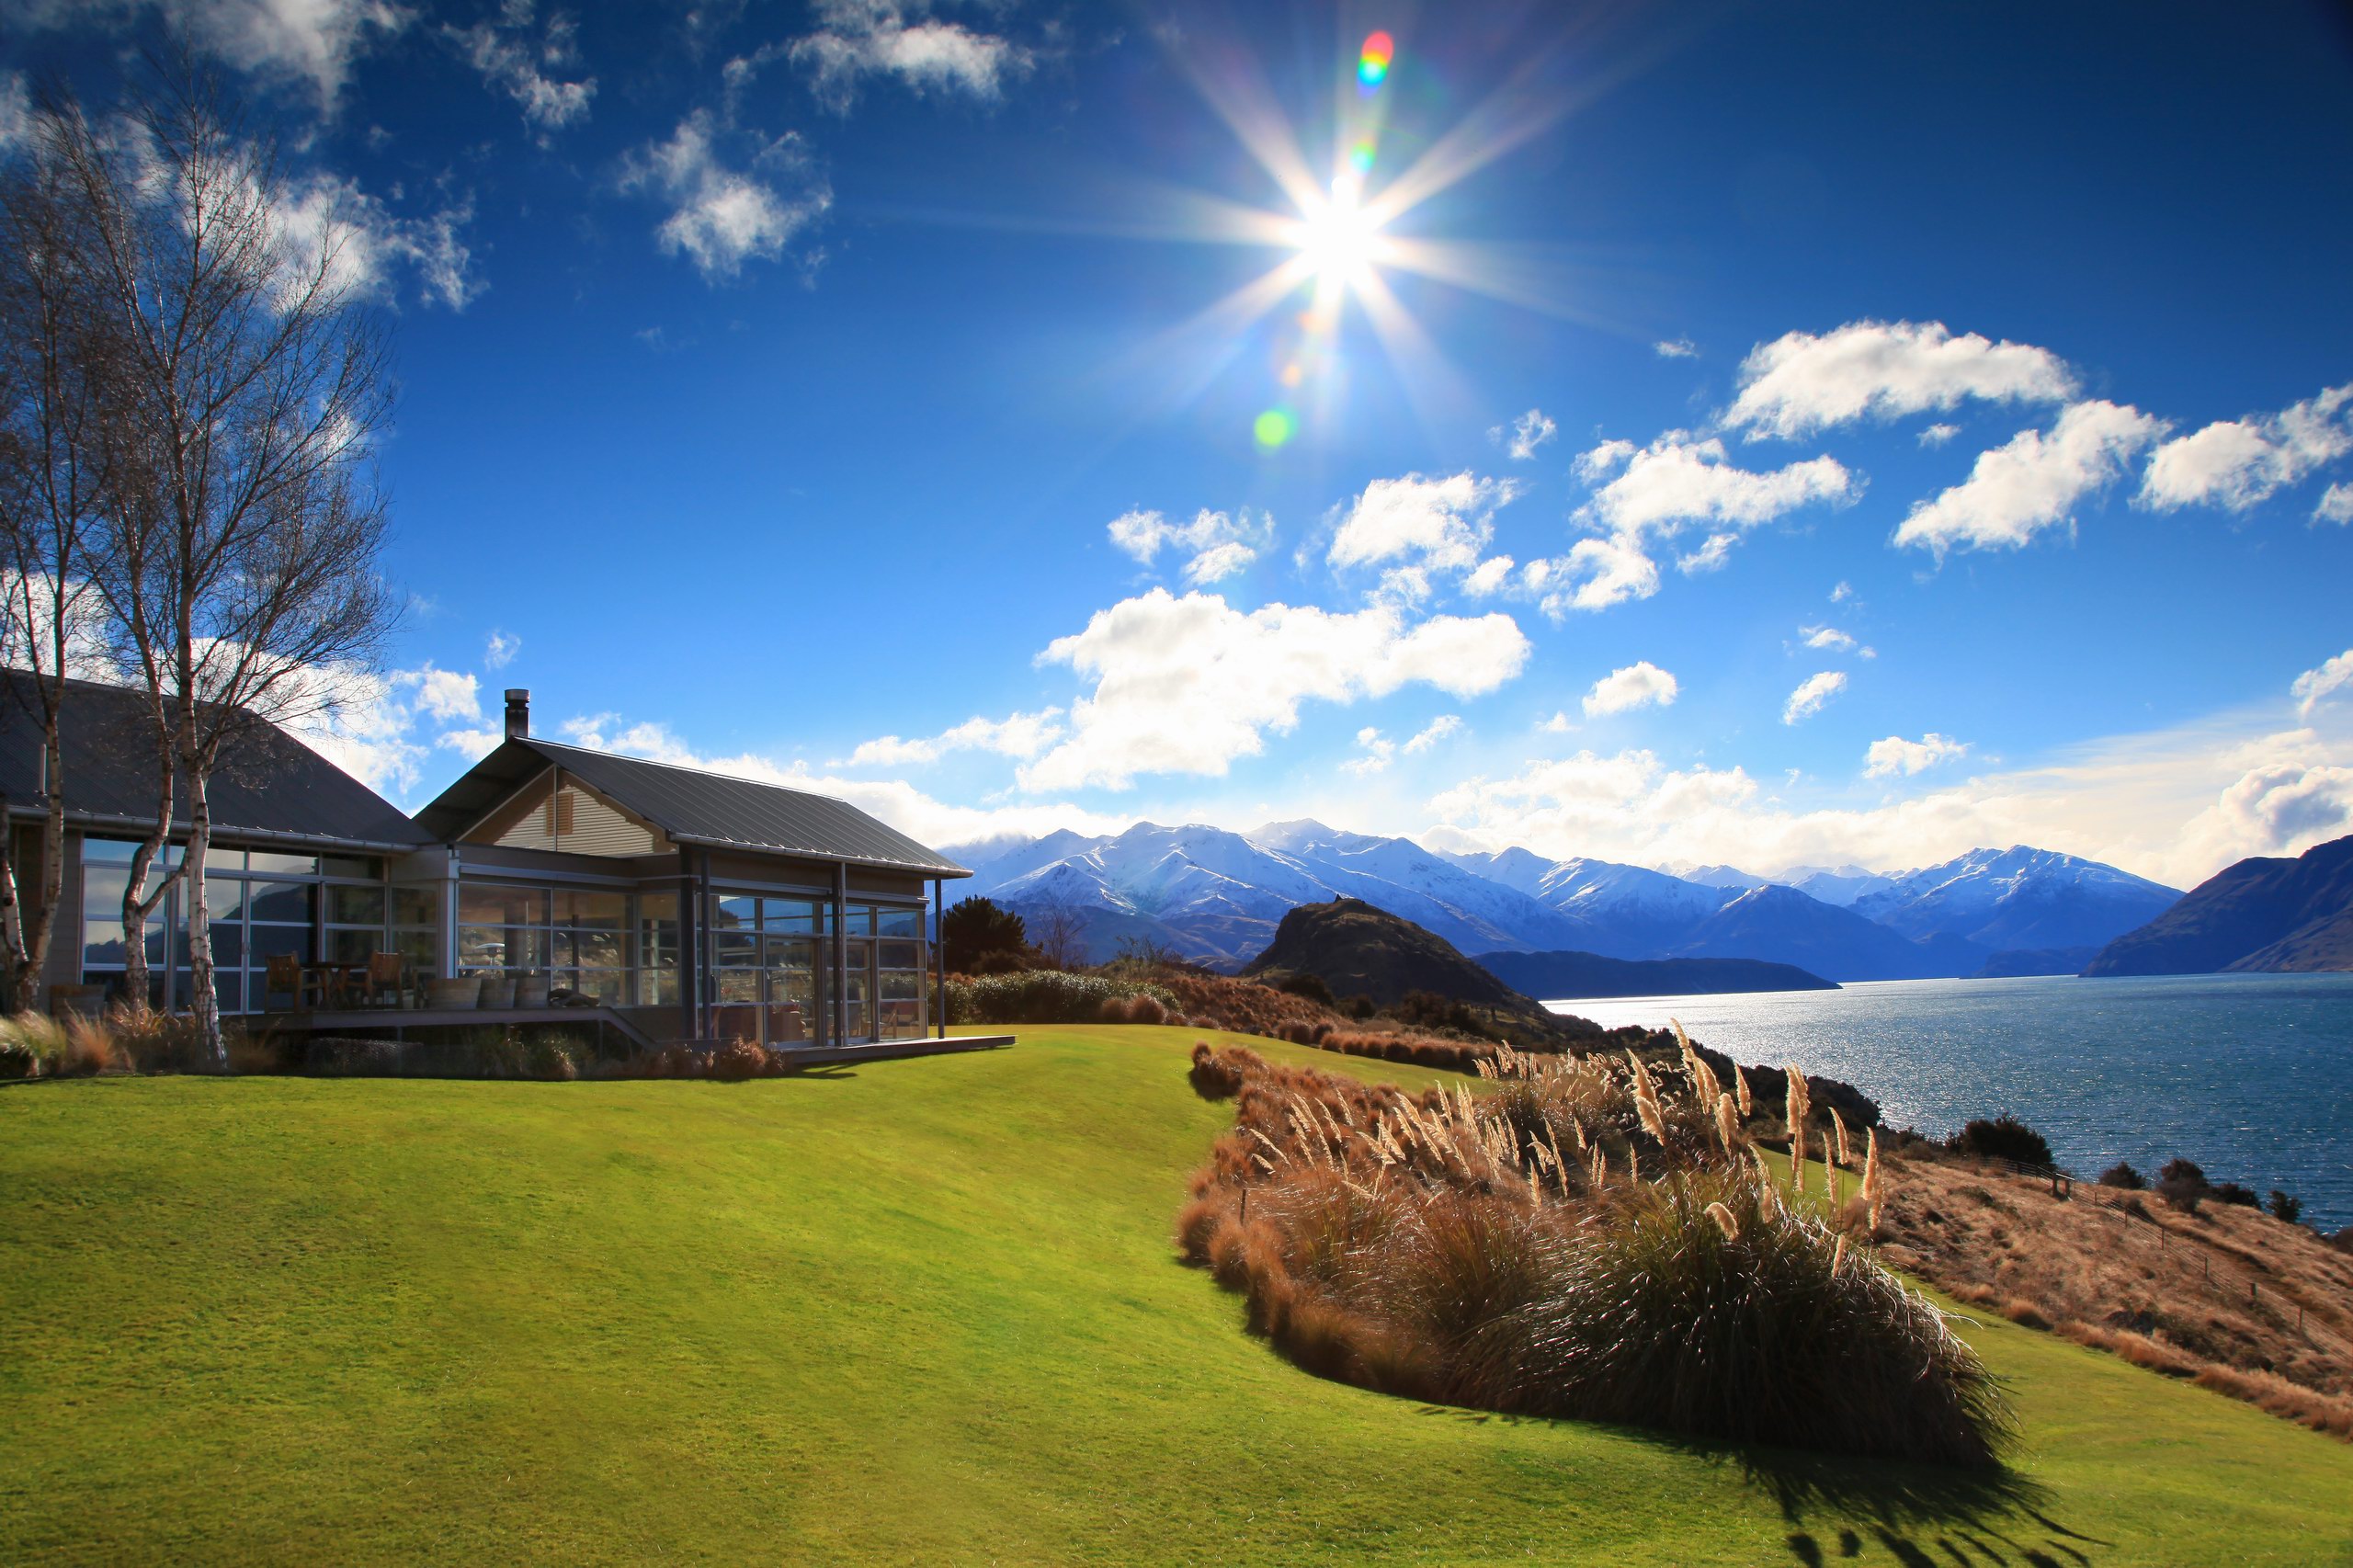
(518, 713)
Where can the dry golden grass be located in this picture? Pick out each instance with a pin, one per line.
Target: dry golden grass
(2228, 1296)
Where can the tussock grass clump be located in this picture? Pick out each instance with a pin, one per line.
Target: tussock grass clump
(1504, 1251)
(1051, 996)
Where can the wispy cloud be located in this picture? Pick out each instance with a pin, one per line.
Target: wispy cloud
(903, 40)
(1520, 438)
(1894, 755)
(1813, 695)
(721, 217)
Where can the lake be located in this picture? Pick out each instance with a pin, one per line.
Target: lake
(2251, 1075)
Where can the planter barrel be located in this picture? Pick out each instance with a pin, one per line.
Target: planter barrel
(466, 993)
(531, 991)
(499, 992)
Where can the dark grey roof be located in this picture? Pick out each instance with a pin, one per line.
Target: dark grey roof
(268, 785)
(691, 806)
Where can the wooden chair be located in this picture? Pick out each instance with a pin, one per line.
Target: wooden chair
(387, 974)
(286, 973)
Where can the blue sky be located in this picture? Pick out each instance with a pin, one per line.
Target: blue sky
(837, 391)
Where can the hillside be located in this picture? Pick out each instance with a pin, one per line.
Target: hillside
(1359, 950)
(2268, 913)
(1783, 925)
(918, 1312)
(1571, 974)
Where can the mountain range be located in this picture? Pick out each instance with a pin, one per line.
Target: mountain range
(1216, 896)
(2267, 914)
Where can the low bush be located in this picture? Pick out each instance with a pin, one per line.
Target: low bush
(2284, 1207)
(2233, 1192)
(2122, 1175)
(1046, 996)
(2003, 1137)
(1503, 1252)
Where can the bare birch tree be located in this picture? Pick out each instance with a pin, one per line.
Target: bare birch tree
(55, 479)
(244, 580)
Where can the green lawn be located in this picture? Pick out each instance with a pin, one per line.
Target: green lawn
(921, 1311)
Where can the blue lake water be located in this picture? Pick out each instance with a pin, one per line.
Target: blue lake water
(2251, 1075)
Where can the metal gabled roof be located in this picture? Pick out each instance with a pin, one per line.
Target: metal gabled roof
(269, 784)
(691, 806)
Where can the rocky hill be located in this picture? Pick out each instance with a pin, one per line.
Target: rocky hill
(2264, 913)
(1359, 950)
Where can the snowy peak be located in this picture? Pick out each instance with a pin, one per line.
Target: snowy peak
(2018, 897)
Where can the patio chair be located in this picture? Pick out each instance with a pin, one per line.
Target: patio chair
(387, 975)
(286, 973)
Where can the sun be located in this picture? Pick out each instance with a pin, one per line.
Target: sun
(1338, 238)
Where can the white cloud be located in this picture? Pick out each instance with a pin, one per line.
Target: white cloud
(1675, 348)
(1828, 637)
(1524, 434)
(1655, 492)
(363, 244)
(721, 217)
(1641, 684)
(1709, 557)
(313, 42)
(446, 694)
(507, 59)
(2177, 805)
(1187, 685)
(2316, 685)
(1842, 594)
(1559, 723)
(499, 649)
(2016, 491)
(1868, 370)
(1443, 727)
(2234, 463)
(1489, 578)
(16, 110)
(1938, 435)
(1219, 544)
(1896, 755)
(2335, 504)
(1430, 525)
(1020, 735)
(1813, 695)
(1375, 751)
(857, 39)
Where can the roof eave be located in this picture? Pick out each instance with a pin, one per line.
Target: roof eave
(946, 871)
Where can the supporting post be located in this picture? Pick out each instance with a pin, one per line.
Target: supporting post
(841, 955)
(938, 958)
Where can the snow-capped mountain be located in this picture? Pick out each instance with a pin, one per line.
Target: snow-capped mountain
(2018, 897)
(1216, 896)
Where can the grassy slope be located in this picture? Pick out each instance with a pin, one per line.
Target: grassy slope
(920, 1311)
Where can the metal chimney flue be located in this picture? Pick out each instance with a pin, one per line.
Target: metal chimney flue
(518, 713)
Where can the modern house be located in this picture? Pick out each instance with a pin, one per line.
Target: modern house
(673, 904)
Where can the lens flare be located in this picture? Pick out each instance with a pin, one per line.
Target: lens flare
(1275, 427)
(1360, 157)
(1372, 63)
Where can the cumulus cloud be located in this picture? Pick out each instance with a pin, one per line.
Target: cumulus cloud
(1638, 684)
(1375, 751)
(1896, 755)
(498, 650)
(2335, 504)
(313, 42)
(1524, 434)
(1217, 544)
(1813, 695)
(1020, 735)
(508, 58)
(1828, 637)
(1646, 494)
(1187, 685)
(2317, 685)
(1938, 435)
(2177, 805)
(2034, 482)
(858, 38)
(446, 694)
(1803, 381)
(1424, 525)
(2234, 463)
(1675, 348)
(368, 249)
(721, 217)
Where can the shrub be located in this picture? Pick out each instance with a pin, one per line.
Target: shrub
(1301, 983)
(2122, 1175)
(2232, 1192)
(1766, 1331)
(2003, 1138)
(1218, 1075)
(2180, 1169)
(32, 1045)
(1045, 996)
(1146, 1009)
(2284, 1207)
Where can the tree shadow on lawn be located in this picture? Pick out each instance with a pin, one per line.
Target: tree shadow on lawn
(1972, 1519)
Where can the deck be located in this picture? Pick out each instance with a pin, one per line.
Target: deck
(401, 1020)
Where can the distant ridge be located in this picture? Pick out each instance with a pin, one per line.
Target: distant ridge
(2267, 914)
(1574, 976)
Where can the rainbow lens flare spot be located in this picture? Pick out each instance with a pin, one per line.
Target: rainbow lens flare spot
(1275, 427)
(1360, 157)
(1373, 64)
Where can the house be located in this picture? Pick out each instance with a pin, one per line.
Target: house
(673, 904)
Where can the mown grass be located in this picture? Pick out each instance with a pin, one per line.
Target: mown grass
(916, 1311)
